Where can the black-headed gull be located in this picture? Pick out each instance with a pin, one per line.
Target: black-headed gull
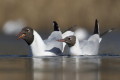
(81, 34)
(88, 47)
(38, 46)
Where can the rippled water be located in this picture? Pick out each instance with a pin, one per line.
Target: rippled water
(60, 68)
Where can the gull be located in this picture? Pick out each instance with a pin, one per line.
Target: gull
(40, 47)
(86, 47)
(81, 34)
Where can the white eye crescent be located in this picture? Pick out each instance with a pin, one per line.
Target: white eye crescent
(28, 30)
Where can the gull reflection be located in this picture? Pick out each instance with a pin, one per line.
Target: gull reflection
(66, 68)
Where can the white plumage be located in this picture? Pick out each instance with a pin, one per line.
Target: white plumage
(49, 47)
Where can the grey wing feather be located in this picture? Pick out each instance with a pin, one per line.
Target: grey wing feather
(52, 43)
(91, 46)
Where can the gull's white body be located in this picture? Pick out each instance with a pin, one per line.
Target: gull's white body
(39, 48)
(76, 49)
(88, 47)
(91, 46)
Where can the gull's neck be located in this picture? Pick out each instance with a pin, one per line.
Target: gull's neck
(65, 34)
(38, 45)
(76, 50)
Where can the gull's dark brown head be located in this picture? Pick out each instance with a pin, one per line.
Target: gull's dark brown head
(27, 35)
(70, 40)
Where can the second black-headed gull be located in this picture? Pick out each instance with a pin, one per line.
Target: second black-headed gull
(87, 47)
(79, 32)
(38, 46)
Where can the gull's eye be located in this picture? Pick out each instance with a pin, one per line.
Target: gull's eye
(28, 30)
(69, 38)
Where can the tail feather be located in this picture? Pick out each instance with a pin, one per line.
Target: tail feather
(55, 25)
(96, 29)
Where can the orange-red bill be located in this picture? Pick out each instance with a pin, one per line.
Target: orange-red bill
(61, 40)
(21, 36)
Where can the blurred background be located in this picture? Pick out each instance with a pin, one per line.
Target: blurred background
(39, 15)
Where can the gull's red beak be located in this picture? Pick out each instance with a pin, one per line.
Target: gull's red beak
(20, 35)
(61, 40)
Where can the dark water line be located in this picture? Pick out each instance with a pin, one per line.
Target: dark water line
(85, 56)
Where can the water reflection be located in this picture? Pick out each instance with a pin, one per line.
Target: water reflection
(65, 68)
(15, 69)
(60, 68)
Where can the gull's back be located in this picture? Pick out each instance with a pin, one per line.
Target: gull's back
(52, 44)
(91, 47)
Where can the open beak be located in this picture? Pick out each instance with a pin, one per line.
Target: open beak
(21, 35)
(61, 40)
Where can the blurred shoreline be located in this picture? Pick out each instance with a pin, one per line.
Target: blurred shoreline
(39, 14)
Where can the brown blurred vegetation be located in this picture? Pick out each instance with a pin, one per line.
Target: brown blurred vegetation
(41, 13)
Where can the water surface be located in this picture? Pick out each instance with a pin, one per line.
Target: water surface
(60, 68)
